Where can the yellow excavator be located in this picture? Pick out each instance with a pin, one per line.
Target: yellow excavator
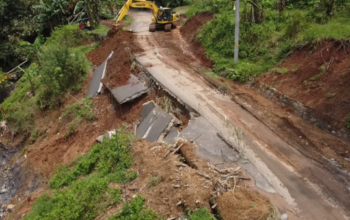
(162, 17)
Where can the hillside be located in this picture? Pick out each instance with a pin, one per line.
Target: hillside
(107, 124)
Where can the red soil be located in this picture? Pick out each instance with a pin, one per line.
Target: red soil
(189, 33)
(327, 94)
(119, 65)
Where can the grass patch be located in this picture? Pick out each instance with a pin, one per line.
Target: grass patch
(81, 109)
(127, 20)
(90, 195)
(153, 182)
(201, 214)
(322, 69)
(100, 30)
(103, 158)
(136, 210)
(314, 78)
(280, 70)
(34, 135)
(211, 74)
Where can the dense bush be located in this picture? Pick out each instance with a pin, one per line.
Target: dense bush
(136, 210)
(84, 199)
(265, 43)
(61, 70)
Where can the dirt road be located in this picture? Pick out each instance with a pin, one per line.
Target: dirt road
(308, 190)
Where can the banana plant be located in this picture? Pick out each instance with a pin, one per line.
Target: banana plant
(52, 12)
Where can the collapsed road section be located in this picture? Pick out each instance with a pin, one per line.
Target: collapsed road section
(299, 186)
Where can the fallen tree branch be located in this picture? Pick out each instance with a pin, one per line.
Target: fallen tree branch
(204, 175)
(177, 149)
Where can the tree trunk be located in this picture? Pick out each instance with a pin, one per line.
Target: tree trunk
(90, 17)
(329, 5)
(256, 12)
(281, 5)
(95, 14)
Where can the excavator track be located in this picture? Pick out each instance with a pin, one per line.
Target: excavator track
(167, 27)
(152, 27)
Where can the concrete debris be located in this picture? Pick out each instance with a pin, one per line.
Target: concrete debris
(95, 84)
(128, 92)
(284, 217)
(154, 122)
(170, 138)
(108, 135)
(210, 146)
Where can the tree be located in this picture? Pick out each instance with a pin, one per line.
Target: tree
(52, 13)
(16, 24)
(91, 9)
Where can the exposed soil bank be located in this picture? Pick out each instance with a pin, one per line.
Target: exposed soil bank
(189, 33)
(318, 77)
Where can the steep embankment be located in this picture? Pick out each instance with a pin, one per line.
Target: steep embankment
(317, 75)
(189, 33)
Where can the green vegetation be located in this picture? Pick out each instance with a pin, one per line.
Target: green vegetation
(269, 34)
(103, 157)
(322, 69)
(86, 197)
(60, 66)
(137, 210)
(77, 113)
(153, 182)
(34, 135)
(348, 122)
(201, 214)
(280, 70)
(314, 78)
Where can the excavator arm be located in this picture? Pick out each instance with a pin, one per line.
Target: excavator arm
(123, 11)
(138, 4)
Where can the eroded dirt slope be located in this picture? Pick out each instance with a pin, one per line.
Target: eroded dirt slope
(319, 77)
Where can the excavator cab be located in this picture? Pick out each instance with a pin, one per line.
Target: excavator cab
(165, 14)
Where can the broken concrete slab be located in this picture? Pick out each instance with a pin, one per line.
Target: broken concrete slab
(158, 127)
(146, 121)
(108, 135)
(209, 144)
(132, 90)
(95, 85)
(146, 109)
(170, 138)
(96, 80)
(154, 122)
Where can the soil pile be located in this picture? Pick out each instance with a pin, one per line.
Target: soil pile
(189, 33)
(119, 65)
(319, 77)
(172, 184)
(244, 205)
